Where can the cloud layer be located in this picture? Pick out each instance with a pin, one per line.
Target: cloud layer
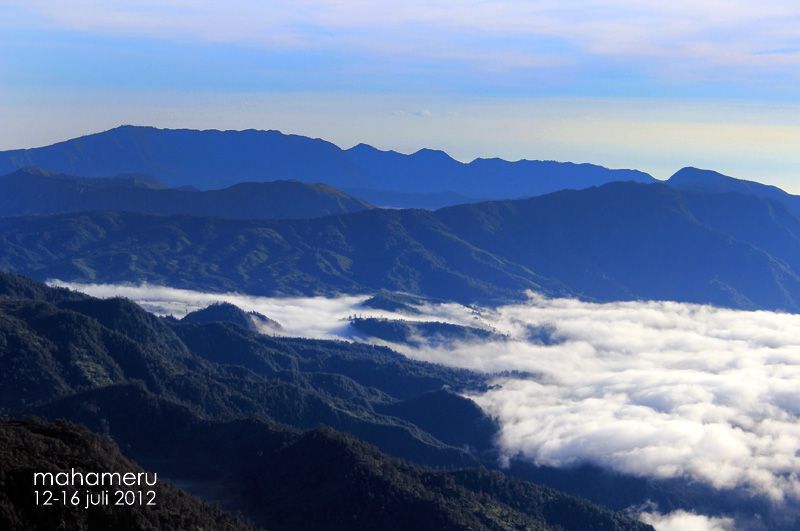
(498, 34)
(685, 521)
(654, 389)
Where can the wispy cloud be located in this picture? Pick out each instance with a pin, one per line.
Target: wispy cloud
(316, 317)
(489, 72)
(702, 32)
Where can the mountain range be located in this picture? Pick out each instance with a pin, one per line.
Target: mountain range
(33, 191)
(233, 416)
(621, 241)
(256, 429)
(714, 182)
(218, 159)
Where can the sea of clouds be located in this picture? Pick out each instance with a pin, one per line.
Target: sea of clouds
(653, 389)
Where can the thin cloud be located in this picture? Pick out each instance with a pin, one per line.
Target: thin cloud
(703, 32)
(316, 317)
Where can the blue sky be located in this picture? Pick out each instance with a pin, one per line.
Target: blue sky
(618, 82)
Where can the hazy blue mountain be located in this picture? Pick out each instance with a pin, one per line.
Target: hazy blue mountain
(621, 241)
(714, 182)
(431, 171)
(32, 191)
(216, 159)
(204, 159)
(391, 199)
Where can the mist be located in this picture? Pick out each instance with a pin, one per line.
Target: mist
(651, 389)
(685, 521)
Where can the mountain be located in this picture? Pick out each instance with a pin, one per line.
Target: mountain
(224, 312)
(337, 474)
(33, 445)
(318, 480)
(32, 191)
(204, 159)
(431, 171)
(621, 241)
(419, 333)
(233, 417)
(390, 199)
(217, 159)
(394, 302)
(465, 423)
(53, 349)
(713, 182)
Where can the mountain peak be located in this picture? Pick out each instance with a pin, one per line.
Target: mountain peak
(713, 181)
(433, 154)
(362, 147)
(225, 312)
(213, 159)
(710, 181)
(694, 175)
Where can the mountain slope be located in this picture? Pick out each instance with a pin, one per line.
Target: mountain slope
(321, 479)
(32, 191)
(419, 333)
(198, 402)
(35, 446)
(337, 472)
(397, 250)
(621, 241)
(204, 159)
(627, 241)
(216, 159)
(223, 312)
(430, 172)
(714, 182)
(53, 347)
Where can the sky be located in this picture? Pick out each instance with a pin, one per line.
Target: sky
(625, 83)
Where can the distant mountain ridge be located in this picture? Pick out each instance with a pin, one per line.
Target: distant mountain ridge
(432, 171)
(714, 182)
(33, 191)
(621, 241)
(216, 159)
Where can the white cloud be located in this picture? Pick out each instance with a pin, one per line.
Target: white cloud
(685, 521)
(654, 389)
(703, 32)
(316, 317)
